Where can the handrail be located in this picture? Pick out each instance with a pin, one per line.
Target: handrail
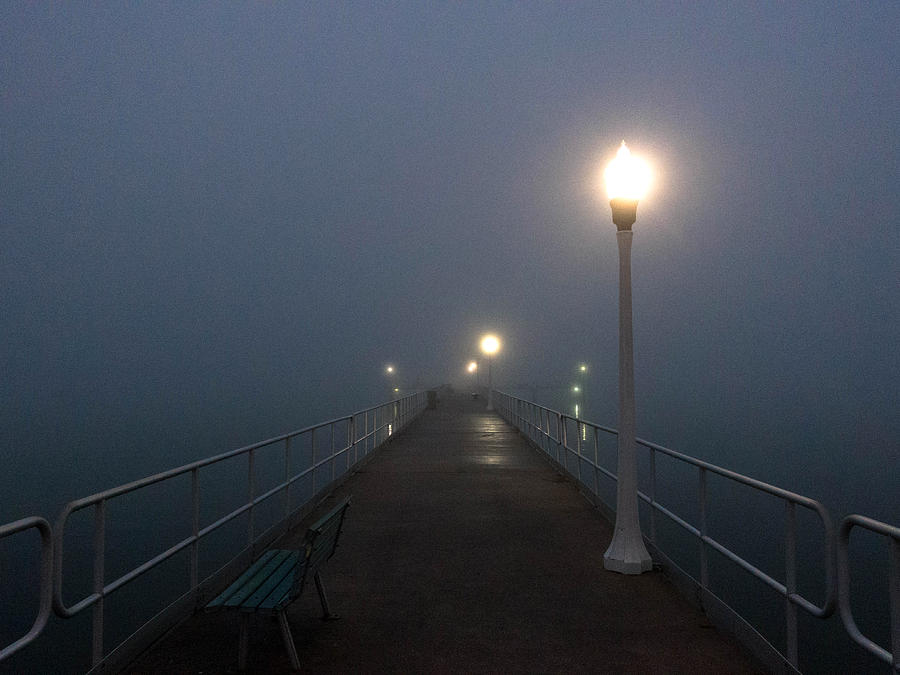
(46, 577)
(893, 534)
(522, 414)
(368, 428)
(827, 608)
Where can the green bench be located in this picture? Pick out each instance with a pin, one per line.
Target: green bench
(277, 578)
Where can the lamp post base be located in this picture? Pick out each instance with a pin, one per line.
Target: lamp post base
(634, 566)
(627, 553)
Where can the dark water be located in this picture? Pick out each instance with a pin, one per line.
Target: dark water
(77, 457)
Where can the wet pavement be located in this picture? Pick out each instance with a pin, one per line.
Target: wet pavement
(465, 552)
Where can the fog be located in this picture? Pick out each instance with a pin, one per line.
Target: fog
(220, 222)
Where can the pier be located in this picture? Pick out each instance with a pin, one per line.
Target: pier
(474, 542)
(465, 551)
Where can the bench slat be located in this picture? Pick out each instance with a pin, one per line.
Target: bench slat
(284, 571)
(283, 594)
(238, 583)
(254, 581)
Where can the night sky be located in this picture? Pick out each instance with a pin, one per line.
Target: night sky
(220, 222)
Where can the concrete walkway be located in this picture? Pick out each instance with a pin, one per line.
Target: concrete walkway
(464, 552)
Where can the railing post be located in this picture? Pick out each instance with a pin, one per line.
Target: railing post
(578, 449)
(565, 442)
(195, 527)
(704, 563)
(596, 463)
(535, 410)
(251, 490)
(351, 438)
(287, 475)
(652, 494)
(790, 580)
(894, 581)
(99, 576)
(312, 446)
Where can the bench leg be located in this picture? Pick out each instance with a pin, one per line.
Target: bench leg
(326, 611)
(288, 640)
(242, 641)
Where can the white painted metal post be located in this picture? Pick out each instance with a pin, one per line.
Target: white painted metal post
(332, 453)
(790, 582)
(312, 446)
(560, 436)
(627, 553)
(99, 577)
(287, 476)
(251, 490)
(704, 559)
(894, 594)
(652, 495)
(195, 528)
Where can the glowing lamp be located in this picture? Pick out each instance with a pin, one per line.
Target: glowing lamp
(490, 344)
(627, 179)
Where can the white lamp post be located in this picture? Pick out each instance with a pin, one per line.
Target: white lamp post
(627, 179)
(490, 345)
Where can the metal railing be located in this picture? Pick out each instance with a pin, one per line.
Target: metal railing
(893, 536)
(547, 428)
(361, 433)
(46, 578)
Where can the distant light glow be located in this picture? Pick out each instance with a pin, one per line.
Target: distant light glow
(389, 370)
(472, 367)
(582, 368)
(576, 389)
(490, 344)
(627, 177)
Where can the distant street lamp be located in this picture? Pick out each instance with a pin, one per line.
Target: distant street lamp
(472, 369)
(490, 345)
(627, 179)
(390, 371)
(582, 371)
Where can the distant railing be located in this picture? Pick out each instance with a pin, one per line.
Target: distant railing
(361, 431)
(893, 539)
(547, 428)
